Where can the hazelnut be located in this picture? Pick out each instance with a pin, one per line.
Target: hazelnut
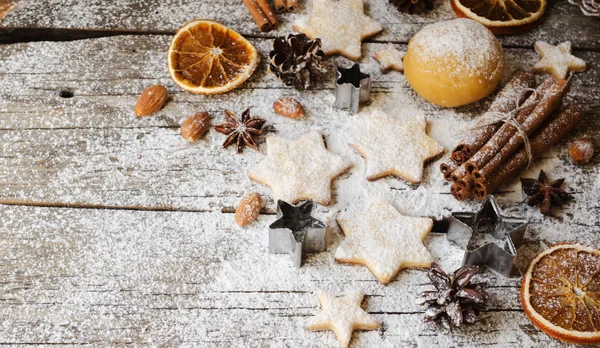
(581, 150)
(195, 126)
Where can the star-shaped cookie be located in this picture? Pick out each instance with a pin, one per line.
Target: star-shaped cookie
(383, 240)
(341, 26)
(390, 58)
(342, 316)
(557, 60)
(299, 169)
(396, 147)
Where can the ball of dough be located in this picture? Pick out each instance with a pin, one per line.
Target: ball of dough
(454, 63)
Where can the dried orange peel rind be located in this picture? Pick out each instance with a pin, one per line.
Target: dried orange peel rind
(560, 293)
(206, 57)
(502, 16)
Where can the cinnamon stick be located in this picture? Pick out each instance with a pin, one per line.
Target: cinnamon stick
(261, 12)
(516, 140)
(546, 137)
(460, 193)
(459, 173)
(268, 11)
(292, 5)
(448, 168)
(512, 93)
(280, 5)
(465, 182)
(537, 108)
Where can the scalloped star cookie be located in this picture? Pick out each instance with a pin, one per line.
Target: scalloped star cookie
(557, 60)
(301, 169)
(396, 147)
(390, 58)
(341, 26)
(383, 240)
(342, 316)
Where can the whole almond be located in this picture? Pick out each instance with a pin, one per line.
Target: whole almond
(152, 99)
(248, 209)
(288, 107)
(194, 127)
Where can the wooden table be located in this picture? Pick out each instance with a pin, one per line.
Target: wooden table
(113, 230)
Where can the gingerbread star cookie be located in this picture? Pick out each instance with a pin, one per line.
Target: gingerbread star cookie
(390, 59)
(341, 26)
(383, 240)
(396, 147)
(342, 316)
(557, 60)
(299, 169)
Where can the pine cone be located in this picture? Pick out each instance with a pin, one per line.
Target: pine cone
(413, 6)
(454, 301)
(296, 60)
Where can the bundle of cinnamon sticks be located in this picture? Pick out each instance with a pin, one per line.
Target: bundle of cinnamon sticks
(494, 153)
(262, 12)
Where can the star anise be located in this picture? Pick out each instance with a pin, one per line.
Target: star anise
(455, 300)
(240, 132)
(542, 191)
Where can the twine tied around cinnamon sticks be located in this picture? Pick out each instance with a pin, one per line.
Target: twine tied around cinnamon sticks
(490, 155)
(494, 117)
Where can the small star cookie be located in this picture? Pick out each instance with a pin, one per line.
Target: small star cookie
(342, 316)
(396, 147)
(383, 240)
(390, 58)
(299, 169)
(341, 26)
(557, 60)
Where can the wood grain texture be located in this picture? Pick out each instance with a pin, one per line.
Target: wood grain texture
(116, 231)
(90, 149)
(167, 16)
(85, 276)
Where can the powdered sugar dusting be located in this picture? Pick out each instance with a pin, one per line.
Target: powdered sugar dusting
(383, 240)
(460, 47)
(193, 278)
(341, 26)
(342, 315)
(299, 170)
(395, 146)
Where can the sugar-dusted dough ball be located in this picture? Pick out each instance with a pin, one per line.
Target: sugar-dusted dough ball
(454, 63)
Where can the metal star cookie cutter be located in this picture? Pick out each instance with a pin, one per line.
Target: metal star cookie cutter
(295, 231)
(352, 88)
(462, 228)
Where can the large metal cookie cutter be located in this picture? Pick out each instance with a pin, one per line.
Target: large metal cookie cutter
(296, 231)
(352, 88)
(465, 229)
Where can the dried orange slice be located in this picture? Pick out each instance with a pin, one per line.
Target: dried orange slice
(560, 293)
(206, 57)
(502, 16)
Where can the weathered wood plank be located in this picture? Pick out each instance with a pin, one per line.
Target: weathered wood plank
(90, 150)
(189, 276)
(106, 276)
(167, 16)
